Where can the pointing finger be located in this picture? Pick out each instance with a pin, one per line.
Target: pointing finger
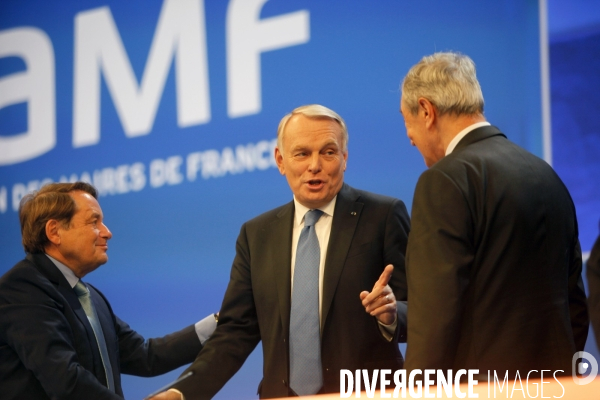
(385, 276)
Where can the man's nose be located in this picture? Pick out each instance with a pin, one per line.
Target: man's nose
(315, 163)
(105, 232)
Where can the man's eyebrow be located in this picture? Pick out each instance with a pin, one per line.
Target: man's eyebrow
(299, 147)
(331, 144)
(93, 215)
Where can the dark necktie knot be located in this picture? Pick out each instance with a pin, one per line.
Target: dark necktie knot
(311, 217)
(81, 289)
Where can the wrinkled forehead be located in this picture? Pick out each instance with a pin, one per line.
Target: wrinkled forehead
(301, 126)
(85, 204)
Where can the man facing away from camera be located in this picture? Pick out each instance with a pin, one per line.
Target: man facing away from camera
(493, 259)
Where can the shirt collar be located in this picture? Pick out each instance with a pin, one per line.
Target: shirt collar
(464, 133)
(66, 271)
(301, 209)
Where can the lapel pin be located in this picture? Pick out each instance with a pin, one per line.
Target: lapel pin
(353, 213)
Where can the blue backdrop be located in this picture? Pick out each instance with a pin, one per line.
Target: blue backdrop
(170, 109)
(574, 46)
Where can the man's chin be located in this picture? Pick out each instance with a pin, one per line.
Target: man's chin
(313, 201)
(101, 261)
(91, 268)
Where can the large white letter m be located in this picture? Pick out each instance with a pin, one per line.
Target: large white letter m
(180, 33)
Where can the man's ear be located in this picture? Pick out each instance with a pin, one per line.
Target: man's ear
(52, 231)
(279, 160)
(428, 111)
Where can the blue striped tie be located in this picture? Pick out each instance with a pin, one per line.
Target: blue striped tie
(83, 294)
(306, 375)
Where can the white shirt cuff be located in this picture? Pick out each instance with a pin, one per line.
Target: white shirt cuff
(205, 327)
(388, 330)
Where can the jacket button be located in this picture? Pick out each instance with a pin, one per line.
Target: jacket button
(284, 383)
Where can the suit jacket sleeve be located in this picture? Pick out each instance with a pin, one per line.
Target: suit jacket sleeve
(151, 357)
(593, 277)
(155, 356)
(236, 336)
(438, 258)
(396, 237)
(578, 308)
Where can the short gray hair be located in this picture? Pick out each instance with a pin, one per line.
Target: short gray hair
(314, 111)
(448, 80)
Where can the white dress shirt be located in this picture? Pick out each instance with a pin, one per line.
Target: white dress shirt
(462, 134)
(323, 231)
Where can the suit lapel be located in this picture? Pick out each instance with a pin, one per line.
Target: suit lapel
(280, 237)
(47, 267)
(345, 219)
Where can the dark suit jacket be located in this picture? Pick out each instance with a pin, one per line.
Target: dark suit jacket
(48, 348)
(368, 232)
(493, 263)
(593, 277)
